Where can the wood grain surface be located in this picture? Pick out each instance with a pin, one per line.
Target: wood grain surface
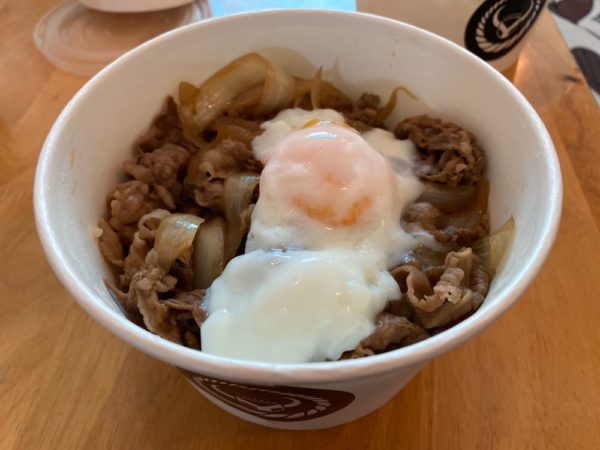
(532, 380)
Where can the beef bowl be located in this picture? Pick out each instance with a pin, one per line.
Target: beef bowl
(240, 356)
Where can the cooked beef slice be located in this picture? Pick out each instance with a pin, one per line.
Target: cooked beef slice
(448, 153)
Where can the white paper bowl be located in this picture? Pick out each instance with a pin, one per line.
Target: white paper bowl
(94, 134)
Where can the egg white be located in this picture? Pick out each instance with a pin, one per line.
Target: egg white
(305, 291)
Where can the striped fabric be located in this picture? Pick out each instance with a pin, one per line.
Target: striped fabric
(579, 22)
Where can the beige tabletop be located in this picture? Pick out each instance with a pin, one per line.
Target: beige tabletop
(532, 380)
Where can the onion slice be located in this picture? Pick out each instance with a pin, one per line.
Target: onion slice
(209, 252)
(186, 110)
(493, 249)
(245, 101)
(218, 92)
(384, 112)
(200, 106)
(315, 90)
(332, 97)
(236, 129)
(278, 92)
(302, 88)
(174, 235)
(237, 197)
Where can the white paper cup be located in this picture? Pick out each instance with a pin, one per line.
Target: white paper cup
(83, 153)
(494, 30)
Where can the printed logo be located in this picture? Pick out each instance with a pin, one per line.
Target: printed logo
(497, 26)
(278, 403)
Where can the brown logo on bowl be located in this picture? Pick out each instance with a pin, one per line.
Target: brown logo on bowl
(278, 403)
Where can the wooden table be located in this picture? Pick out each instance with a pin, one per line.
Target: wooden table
(530, 381)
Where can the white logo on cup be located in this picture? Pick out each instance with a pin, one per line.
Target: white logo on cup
(497, 26)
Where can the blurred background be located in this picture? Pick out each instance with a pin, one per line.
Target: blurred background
(82, 36)
(579, 23)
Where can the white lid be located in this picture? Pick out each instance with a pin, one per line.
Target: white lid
(82, 41)
(133, 5)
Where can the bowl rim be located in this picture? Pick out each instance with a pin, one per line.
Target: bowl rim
(297, 373)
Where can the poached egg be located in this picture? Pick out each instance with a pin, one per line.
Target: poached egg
(324, 231)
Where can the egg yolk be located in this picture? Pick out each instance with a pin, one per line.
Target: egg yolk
(329, 174)
(320, 122)
(326, 214)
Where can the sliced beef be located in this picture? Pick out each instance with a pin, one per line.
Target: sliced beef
(363, 114)
(464, 228)
(390, 330)
(141, 245)
(165, 129)
(110, 245)
(128, 304)
(169, 173)
(400, 307)
(460, 289)
(425, 215)
(425, 258)
(160, 169)
(144, 290)
(135, 260)
(127, 204)
(460, 228)
(177, 319)
(208, 170)
(191, 301)
(190, 312)
(449, 154)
